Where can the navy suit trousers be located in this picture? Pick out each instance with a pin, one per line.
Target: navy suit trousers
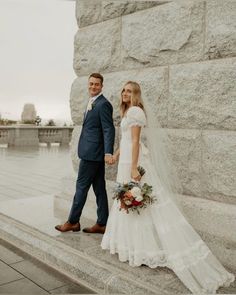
(90, 173)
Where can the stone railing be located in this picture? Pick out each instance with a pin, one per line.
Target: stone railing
(30, 135)
(60, 135)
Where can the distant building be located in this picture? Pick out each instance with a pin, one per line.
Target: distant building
(28, 114)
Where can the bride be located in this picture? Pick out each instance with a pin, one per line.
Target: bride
(160, 235)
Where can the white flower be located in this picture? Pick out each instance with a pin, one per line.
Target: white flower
(90, 106)
(136, 192)
(127, 202)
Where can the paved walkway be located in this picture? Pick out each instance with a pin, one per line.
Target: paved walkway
(32, 172)
(21, 274)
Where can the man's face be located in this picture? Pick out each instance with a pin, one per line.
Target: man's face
(94, 86)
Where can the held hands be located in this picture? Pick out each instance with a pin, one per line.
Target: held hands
(110, 159)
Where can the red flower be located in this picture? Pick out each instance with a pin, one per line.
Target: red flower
(136, 203)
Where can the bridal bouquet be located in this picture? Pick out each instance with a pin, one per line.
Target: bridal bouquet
(133, 196)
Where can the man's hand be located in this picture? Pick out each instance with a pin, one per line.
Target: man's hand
(109, 159)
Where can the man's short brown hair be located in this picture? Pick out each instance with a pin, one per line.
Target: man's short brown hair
(98, 76)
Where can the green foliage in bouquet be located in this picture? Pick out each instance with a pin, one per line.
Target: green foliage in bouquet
(141, 170)
(133, 196)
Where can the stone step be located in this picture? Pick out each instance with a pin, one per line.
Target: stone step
(220, 238)
(214, 221)
(79, 256)
(29, 224)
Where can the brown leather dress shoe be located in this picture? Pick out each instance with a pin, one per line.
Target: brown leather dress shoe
(68, 226)
(96, 229)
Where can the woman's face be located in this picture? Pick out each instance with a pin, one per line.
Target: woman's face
(126, 94)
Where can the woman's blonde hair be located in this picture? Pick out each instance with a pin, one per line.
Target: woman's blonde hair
(136, 99)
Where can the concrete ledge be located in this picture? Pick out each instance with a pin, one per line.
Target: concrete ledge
(214, 221)
(219, 233)
(89, 271)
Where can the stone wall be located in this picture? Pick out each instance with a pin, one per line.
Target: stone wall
(183, 53)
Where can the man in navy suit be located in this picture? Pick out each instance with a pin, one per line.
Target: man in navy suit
(95, 148)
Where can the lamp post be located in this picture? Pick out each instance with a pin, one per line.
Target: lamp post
(37, 120)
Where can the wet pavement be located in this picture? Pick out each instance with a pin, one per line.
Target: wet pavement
(32, 172)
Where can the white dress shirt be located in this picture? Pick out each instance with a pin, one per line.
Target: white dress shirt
(91, 100)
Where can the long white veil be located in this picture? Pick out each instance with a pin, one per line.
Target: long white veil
(186, 253)
(161, 157)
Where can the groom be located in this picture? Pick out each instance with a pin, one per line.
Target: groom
(95, 148)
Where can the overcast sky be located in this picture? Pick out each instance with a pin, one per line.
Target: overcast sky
(36, 56)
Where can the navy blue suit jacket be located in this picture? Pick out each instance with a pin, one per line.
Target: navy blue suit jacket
(98, 133)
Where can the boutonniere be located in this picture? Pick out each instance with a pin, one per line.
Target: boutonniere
(91, 106)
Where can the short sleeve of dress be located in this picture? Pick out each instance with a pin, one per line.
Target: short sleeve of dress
(136, 117)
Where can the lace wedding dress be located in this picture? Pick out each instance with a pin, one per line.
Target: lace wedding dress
(160, 235)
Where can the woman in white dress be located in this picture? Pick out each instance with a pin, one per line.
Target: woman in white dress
(160, 235)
